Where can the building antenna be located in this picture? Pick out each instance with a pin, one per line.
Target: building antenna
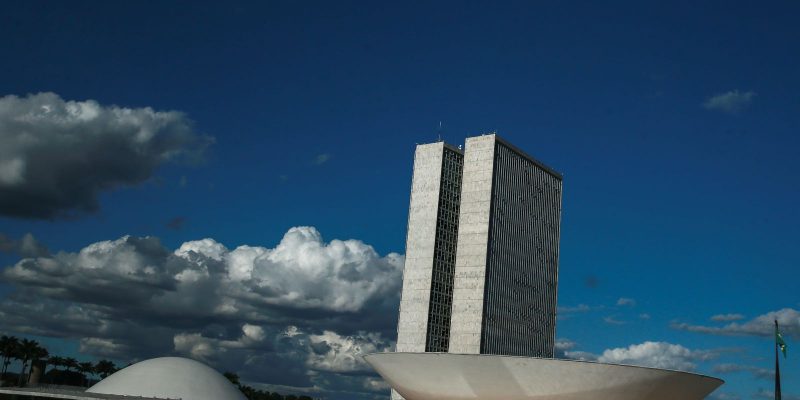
(439, 131)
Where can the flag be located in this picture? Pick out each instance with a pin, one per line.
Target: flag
(781, 344)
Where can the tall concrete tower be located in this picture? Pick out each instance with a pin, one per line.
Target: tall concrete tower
(481, 266)
(506, 275)
(424, 323)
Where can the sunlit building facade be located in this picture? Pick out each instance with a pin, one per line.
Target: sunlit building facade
(481, 269)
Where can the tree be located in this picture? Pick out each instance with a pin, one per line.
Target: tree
(37, 353)
(105, 368)
(70, 363)
(56, 361)
(27, 349)
(8, 349)
(233, 378)
(87, 369)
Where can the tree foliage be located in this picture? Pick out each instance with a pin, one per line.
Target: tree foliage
(257, 394)
(69, 371)
(28, 352)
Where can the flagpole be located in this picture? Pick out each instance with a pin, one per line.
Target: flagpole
(777, 366)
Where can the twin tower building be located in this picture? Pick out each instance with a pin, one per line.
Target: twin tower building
(481, 267)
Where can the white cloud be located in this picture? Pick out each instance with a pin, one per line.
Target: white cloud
(580, 355)
(730, 102)
(644, 316)
(241, 261)
(204, 348)
(727, 317)
(204, 247)
(335, 353)
(564, 348)
(196, 346)
(564, 344)
(657, 355)
(624, 301)
(301, 272)
(296, 313)
(376, 385)
(763, 325)
(56, 156)
(102, 347)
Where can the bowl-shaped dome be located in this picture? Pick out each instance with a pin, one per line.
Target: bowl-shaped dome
(169, 377)
(444, 376)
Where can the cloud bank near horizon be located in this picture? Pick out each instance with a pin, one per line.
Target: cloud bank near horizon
(646, 354)
(299, 313)
(762, 325)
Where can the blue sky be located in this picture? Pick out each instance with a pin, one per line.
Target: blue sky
(674, 123)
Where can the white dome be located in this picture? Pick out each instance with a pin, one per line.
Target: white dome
(169, 377)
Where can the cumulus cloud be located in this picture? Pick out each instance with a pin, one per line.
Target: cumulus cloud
(580, 355)
(565, 348)
(296, 313)
(335, 353)
(729, 102)
(763, 325)
(727, 317)
(562, 346)
(657, 355)
(56, 156)
(105, 348)
(204, 348)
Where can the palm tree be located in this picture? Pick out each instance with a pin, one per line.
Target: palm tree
(105, 368)
(38, 353)
(70, 363)
(86, 368)
(56, 375)
(56, 361)
(8, 349)
(27, 350)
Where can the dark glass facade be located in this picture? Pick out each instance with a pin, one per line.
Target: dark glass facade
(522, 257)
(444, 261)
